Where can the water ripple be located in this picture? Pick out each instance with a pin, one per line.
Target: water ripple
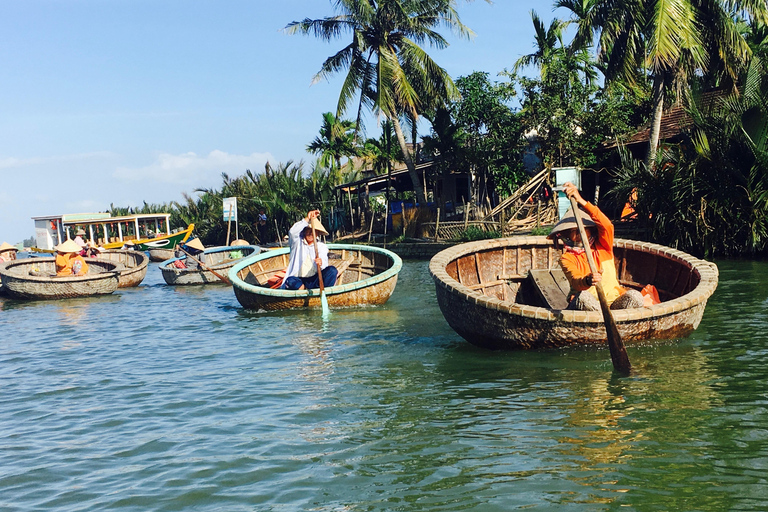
(161, 398)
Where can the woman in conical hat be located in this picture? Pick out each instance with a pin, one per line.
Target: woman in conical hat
(574, 261)
(192, 248)
(302, 268)
(7, 252)
(68, 260)
(195, 244)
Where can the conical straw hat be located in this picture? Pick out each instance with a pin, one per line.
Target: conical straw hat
(315, 223)
(68, 246)
(239, 241)
(196, 244)
(7, 247)
(568, 222)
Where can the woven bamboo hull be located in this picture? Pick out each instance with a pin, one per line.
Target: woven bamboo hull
(160, 254)
(481, 291)
(102, 279)
(214, 259)
(368, 278)
(135, 264)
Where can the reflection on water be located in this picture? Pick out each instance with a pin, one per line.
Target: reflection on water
(162, 398)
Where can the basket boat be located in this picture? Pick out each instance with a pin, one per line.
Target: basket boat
(367, 276)
(157, 254)
(102, 279)
(486, 294)
(215, 258)
(135, 263)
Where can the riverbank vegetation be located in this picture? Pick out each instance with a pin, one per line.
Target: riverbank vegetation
(595, 80)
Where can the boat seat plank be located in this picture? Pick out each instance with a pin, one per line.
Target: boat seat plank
(341, 265)
(552, 286)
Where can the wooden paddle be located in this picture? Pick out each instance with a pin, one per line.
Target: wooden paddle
(615, 344)
(206, 268)
(323, 298)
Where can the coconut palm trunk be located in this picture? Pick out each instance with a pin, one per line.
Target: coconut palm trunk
(420, 198)
(658, 112)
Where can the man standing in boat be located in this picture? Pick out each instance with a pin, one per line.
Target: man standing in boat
(302, 267)
(574, 262)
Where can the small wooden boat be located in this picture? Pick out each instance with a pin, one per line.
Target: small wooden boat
(135, 263)
(367, 276)
(218, 259)
(488, 294)
(34, 278)
(158, 254)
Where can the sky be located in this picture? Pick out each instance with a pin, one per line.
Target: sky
(124, 101)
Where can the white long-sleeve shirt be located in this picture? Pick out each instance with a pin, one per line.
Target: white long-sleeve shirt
(303, 253)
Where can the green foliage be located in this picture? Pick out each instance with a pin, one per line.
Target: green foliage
(542, 231)
(473, 233)
(572, 117)
(381, 154)
(708, 204)
(284, 192)
(480, 132)
(336, 140)
(386, 68)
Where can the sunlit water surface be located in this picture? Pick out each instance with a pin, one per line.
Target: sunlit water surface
(163, 398)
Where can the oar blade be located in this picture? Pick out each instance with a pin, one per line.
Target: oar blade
(324, 302)
(619, 356)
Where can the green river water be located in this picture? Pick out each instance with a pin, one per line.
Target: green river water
(163, 398)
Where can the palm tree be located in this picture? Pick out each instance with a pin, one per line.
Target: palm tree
(380, 153)
(545, 41)
(671, 41)
(336, 140)
(385, 63)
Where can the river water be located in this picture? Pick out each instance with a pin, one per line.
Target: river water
(163, 398)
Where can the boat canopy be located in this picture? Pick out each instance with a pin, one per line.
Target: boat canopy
(101, 228)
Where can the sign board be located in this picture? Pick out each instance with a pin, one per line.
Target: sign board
(230, 205)
(562, 176)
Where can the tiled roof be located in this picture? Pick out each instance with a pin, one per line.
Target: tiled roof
(675, 120)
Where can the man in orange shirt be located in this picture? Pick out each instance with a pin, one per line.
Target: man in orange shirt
(68, 260)
(574, 262)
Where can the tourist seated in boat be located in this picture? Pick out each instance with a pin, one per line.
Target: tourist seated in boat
(7, 252)
(92, 250)
(79, 240)
(128, 245)
(194, 248)
(68, 260)
(301, 273)
(599, 229)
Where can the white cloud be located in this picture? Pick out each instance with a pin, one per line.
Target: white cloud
(191, 169)
(90, 182)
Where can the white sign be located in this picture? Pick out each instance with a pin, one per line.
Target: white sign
(230, 209)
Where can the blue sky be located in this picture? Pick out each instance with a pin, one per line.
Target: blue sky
(121, 101)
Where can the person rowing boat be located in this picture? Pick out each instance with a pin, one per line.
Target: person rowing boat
(304, 260)
(599, 229)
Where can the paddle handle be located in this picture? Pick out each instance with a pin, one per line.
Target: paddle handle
(317, 255)
(206, 268)
(619, 356)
